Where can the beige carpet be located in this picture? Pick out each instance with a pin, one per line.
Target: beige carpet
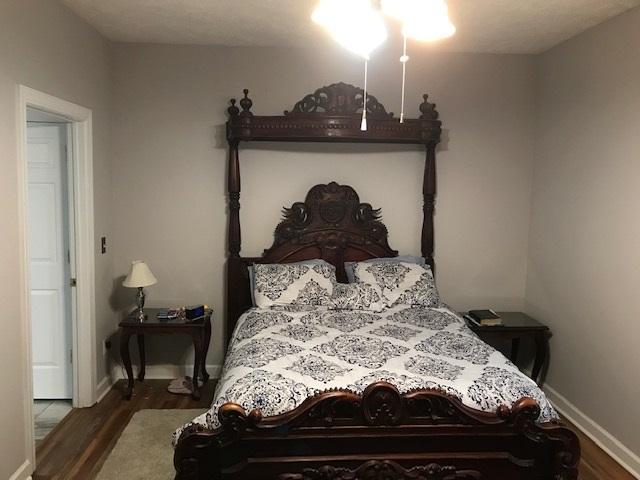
(144, 449)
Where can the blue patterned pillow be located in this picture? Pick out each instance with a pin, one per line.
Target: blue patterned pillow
(401, 283)
(293, 283)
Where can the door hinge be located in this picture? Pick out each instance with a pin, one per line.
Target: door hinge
(71, 356)
(73, 282)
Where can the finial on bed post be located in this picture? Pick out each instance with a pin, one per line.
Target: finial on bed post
(233, 109)
(246, 104)
(427, 109)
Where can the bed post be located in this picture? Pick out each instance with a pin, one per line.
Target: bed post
(432, 138)
(233, 186)
(429, 194)
(233, 232)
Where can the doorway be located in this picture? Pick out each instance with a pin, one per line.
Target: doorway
(57, 276)
(52, 266)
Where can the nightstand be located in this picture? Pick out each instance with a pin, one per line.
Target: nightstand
(198, 329)
(518, 325)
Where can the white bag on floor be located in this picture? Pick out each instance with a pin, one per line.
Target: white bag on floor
(182, 386)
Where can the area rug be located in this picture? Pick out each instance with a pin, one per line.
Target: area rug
(144, 449)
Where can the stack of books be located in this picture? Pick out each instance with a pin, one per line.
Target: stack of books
(484, 318)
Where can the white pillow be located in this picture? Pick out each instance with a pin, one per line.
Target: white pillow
(401, 283)
(348, 266)
(294, 283)
(357, 296)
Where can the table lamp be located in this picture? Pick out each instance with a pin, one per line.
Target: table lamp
(140, 276)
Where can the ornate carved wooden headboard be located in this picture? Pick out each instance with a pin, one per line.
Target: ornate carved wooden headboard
(331, 223)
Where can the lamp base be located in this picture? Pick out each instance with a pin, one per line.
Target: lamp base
(140, 302)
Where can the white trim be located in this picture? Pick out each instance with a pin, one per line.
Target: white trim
(153, 372)
(23, 472)
(103, 387)
(165, 371)
(84, 382)
(607, 442)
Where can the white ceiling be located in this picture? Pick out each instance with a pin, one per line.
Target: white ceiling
(497, 26)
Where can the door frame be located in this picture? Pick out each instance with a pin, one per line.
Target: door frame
(84, 335)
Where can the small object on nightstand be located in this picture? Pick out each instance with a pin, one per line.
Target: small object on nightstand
(514, 327)
(168, 313)
(485, 318)
(194, 312)
(140, 276)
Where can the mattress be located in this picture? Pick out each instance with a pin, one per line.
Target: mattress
(279, 358)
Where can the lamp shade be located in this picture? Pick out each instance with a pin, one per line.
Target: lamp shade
(139, 276)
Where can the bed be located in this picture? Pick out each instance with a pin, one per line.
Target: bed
(317, 393)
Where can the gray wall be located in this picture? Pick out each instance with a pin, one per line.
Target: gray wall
(46, 47)
(583, 268)
(169, 160)
(158, 128)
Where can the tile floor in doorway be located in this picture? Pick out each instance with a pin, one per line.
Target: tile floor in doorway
(47, 414)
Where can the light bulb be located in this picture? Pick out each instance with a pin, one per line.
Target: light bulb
(354, 24)
(423, 20)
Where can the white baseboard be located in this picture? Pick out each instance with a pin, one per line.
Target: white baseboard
(607, 442)
(23, 472)
(166, 371)
(152, 372)
(104, 386)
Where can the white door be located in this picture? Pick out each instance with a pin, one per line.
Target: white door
(50, 261)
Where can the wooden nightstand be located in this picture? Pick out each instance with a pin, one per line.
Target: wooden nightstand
(199, 329)
(517, 325)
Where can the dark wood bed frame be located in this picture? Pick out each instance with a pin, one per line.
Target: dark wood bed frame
(381, 434)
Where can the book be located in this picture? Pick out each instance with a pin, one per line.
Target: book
(470, 319)
(168, 314)
(485, 318)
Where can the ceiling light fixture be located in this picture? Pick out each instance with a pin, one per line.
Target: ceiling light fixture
(422, 20)
(360, 28)
(354, 24)
(361, 36)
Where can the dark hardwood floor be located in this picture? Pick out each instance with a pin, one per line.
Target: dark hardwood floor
(79, 445)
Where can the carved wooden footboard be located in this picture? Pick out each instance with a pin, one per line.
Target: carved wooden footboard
(380, 435)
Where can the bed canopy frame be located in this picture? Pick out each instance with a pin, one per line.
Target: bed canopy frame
(330, 114)
(337, 434)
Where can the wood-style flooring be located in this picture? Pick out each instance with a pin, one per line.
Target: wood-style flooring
(79, 445)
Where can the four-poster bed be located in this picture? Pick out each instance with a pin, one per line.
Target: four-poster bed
(330, 114)
(380, 433)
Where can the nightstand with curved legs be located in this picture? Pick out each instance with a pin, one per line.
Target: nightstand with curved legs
(516, 326)
(198, 329)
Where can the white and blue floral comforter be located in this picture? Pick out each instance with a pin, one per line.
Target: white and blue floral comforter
(278, 358)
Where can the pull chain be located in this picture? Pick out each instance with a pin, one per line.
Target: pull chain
(403, 59)
(363, 124)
